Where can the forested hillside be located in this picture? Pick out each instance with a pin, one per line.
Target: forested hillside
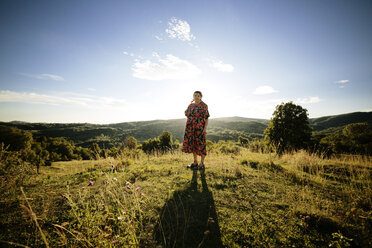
(229, 128)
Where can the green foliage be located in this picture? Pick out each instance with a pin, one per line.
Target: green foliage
(165, 141)
(13, 171)
(163, 144)
(223, 147)
(258, 145)
(131, 142)
(84, 153)
(355, 138)
(15, 138)
(289, 128)
(335, 121)
(243, 141)
(176, 144)
(151, 146)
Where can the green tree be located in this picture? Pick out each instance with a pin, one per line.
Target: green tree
(243, 141)
(354, 138)
(289, 128)
(15, 138)
(131, 142)
(358, 137)
(165, 141)
(151, 146)
(96, 151)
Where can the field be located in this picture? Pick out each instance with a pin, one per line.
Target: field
(242, 199)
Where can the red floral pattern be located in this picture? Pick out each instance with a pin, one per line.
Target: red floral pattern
(194, 139)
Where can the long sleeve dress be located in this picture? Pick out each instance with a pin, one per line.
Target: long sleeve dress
(194, 139)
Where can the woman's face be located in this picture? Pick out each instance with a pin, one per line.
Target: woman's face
(197, 97)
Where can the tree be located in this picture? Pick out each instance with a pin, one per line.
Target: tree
(16, 139)
(358, 137)
(289, 128)
(151, 146)
(243, 141)
(165, 141)
(96, 151)
(354, 138)
(131, 142)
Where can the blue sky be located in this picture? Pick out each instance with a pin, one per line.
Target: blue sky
(116, 61)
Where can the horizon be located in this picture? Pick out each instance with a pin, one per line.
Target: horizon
(116, 61)
(170, 119)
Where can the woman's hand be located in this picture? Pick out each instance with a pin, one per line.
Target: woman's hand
(205, 131)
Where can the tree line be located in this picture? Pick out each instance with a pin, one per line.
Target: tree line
(41, 150)
(289, 130)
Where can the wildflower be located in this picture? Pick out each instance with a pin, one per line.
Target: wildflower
(120, 218)
(128, 187)
(115, 179)
(112, 165)
(138, 188)
(103, 205)
(90, 183)
(114, 242)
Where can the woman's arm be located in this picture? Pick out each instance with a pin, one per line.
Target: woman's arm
(187, 111)
(205, 126)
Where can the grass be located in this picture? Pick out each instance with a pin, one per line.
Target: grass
(242, 199)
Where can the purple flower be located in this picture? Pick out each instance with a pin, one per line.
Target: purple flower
(91, 183)
(128, 187)
(112, 165)
(138, 188)
(103, 205)
(114, 242)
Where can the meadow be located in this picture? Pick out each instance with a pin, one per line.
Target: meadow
(241, 199)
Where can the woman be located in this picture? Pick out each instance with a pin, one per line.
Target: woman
(196, 129)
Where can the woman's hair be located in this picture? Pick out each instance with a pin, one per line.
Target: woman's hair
(199, 92)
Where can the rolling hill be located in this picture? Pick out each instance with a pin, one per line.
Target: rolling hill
(227, 128)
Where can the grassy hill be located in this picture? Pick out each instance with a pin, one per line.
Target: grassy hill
(228, 128)
(240, 200)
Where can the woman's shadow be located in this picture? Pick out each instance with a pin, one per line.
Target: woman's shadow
(188, 218)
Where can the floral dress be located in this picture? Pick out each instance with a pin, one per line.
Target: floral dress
(194, 139)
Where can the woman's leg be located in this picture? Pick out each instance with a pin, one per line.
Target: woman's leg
(202, 159)
(195, 158)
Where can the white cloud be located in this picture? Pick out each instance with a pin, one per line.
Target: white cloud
(343, 81)
(264, 89)
(128, 54)
(219, 65)
(158, 37)
(44, 76)
(171, 67)
(87, 101)
(179, 29)
(306, 100)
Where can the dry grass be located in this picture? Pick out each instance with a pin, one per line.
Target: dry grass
(242, 199)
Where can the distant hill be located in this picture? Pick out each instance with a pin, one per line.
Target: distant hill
(226, 128)
(335, 121)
